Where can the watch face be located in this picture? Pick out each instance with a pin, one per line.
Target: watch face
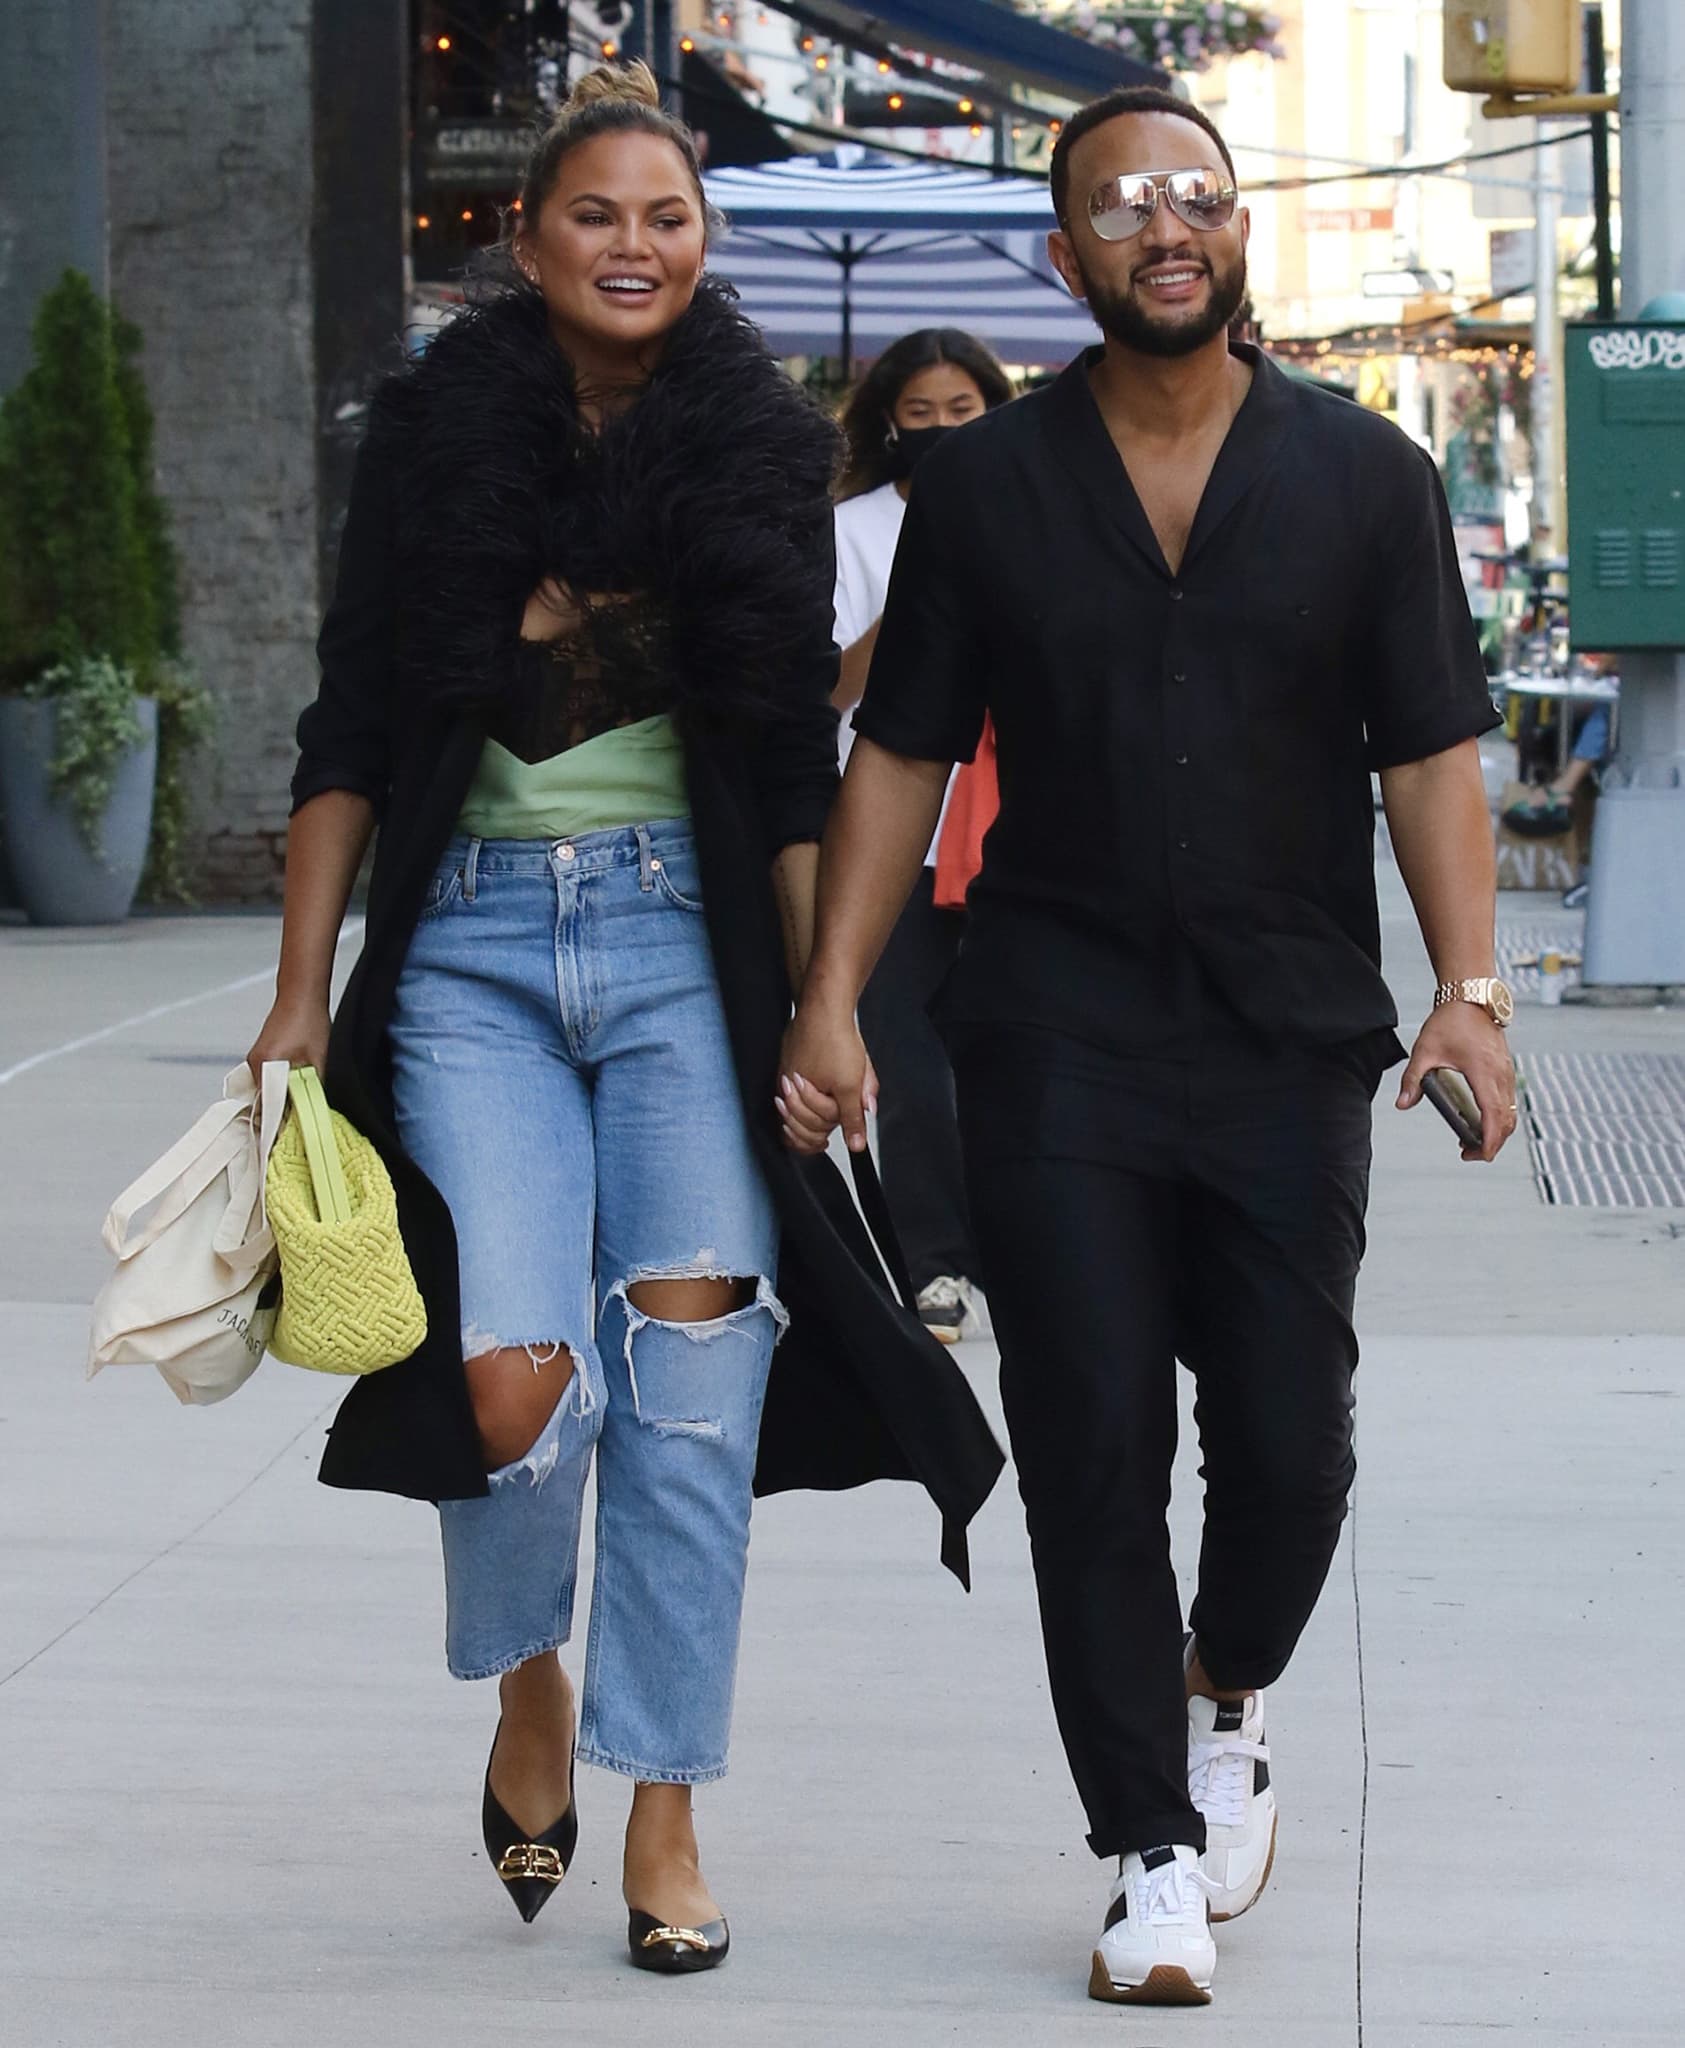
(1501, 1001)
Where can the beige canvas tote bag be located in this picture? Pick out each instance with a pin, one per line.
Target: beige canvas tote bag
(197, 1280)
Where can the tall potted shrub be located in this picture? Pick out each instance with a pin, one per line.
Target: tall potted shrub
(88, 618)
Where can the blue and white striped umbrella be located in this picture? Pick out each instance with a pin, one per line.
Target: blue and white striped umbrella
(838, 255)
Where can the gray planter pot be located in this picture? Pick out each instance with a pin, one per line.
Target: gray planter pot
(58, 879)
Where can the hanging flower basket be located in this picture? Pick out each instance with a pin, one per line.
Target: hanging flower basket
(1183, 35)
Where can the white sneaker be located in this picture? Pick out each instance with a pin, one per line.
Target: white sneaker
(1156, 1946)
(942, 1308)
(1229, 1782)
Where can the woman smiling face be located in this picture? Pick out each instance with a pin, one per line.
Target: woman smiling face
(617, 249)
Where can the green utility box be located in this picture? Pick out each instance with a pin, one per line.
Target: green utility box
(1625, 401)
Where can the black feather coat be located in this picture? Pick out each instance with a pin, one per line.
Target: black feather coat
(711, 495)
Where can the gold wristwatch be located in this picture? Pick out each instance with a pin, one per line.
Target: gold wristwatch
(1487, 993)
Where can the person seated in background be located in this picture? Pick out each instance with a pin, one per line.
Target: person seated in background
(1548, 809)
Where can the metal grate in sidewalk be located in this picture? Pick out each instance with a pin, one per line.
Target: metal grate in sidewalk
(1607, 1129)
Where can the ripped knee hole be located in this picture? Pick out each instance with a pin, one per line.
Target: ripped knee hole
(688, 1298)
(514, 1389)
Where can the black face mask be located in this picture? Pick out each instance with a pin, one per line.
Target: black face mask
(906, 447)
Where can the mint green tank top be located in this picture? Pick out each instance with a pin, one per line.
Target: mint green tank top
(631, 775)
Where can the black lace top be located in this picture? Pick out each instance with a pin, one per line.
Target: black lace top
(612, 668)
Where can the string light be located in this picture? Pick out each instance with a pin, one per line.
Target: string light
(1366, 344)
(444, 43)
(896, 103)
(821, 63)
(968, 106)
(975, 130)
(423, 220)
(884, 66)
(468, 213)
(687, 44)
(611, 49)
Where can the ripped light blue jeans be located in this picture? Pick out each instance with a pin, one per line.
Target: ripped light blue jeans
(561, 1073)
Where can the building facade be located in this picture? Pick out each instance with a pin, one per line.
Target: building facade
(231, 173)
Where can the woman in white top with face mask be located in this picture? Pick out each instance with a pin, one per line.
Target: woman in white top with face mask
(920, 389)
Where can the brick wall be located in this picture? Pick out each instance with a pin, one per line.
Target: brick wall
(210, 176)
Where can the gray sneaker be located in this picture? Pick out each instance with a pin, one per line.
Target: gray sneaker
(942, 1307)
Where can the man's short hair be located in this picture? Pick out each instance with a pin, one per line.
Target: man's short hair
(1127, 99)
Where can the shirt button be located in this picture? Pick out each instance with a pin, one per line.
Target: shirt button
(1179, 675)
(1176, 593)
(1181, 760)
(1182, 844)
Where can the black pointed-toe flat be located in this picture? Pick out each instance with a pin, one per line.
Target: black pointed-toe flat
(529, 1871)
(676, 1951)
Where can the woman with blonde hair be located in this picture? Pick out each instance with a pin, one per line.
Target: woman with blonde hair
(577, 670)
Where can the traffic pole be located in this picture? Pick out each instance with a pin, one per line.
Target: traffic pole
(1635, 910)
(1546, 395)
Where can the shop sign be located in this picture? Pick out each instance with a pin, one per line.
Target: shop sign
(474, 155)
(1347, 220)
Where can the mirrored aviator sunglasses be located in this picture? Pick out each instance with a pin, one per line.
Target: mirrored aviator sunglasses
(1121, 207)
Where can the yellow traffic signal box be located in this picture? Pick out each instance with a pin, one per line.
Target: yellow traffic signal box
(1505, 46)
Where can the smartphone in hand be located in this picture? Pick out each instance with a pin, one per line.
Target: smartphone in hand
(1449, 1094)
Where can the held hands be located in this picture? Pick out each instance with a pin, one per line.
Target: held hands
(824, 1079)
(1461, 1036)
(295, 1031)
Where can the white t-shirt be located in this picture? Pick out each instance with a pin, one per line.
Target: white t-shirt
(868, 528)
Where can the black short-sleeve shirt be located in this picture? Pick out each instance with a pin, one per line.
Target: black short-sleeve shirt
(1185, 843)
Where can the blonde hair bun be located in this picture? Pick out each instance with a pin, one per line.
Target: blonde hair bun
(634, 82)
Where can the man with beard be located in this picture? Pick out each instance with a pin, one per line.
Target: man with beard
(1202, 603)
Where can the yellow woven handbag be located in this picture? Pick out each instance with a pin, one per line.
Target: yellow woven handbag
(349, 1302)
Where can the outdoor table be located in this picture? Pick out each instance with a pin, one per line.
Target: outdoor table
(1563, 690)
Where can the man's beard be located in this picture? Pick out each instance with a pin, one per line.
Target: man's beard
(1131, 325)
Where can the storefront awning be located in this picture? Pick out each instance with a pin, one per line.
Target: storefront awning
(1009, 48)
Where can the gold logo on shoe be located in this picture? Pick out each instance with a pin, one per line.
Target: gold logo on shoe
(681, 1937)
(531, 1859)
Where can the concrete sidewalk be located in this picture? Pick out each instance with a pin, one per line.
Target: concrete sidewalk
(239, 1797)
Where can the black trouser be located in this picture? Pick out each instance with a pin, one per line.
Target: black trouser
(1130, 1213)
(918, 1136)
